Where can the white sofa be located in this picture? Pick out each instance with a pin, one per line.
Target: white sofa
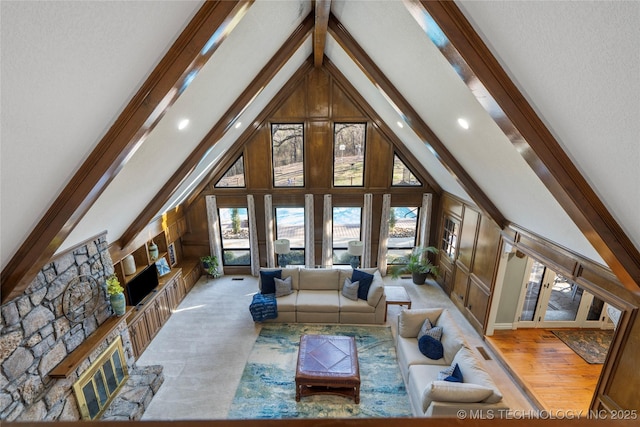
(428, 395)
(317, 298)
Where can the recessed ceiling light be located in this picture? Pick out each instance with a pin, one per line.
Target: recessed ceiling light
(237, 126)
(183, 124)
(464, 124)
(400, 125)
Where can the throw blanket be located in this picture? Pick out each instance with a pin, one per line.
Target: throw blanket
(263, 307)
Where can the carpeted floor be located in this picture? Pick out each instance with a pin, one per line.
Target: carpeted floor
(590, 344)
(267, 386)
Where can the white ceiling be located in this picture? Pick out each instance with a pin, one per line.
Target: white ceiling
(67, 74)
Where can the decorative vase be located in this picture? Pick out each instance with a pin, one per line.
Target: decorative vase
(129, 265)
(118, 303)
(153, 251)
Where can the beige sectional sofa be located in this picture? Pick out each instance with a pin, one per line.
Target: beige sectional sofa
(430, 396)
(317, 298)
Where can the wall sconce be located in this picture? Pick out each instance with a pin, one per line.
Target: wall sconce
(356, 248)
(282, 246)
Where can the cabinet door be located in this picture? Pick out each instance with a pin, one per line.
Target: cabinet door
(152, 320)
(446, 276)
(139, 336)
(477, 301)
(172, 295)
(460, 284)
(162, 307)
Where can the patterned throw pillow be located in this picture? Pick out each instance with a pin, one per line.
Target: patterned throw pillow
(283, 286)
(451, 374)
(424, 328)
(350, 289)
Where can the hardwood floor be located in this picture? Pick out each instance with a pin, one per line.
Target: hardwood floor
(554, 376)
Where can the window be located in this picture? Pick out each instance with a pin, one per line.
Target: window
(346, 227)
(287, 151)
(99, 384)
(403, 223)
(402, 175)
(348, 154)
(290, 225)
(234, 232)
(450, 237)
(234, 176)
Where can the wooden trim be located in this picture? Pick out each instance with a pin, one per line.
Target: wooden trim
(138, 118)
(249, 132)
(540, 149)
(69, 364)
(262, 79)
(384, 85)
(322, 12)
(375, 120)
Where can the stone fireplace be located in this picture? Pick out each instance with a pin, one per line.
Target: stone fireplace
(42, 328)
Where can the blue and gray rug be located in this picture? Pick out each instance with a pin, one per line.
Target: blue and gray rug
(267, 386)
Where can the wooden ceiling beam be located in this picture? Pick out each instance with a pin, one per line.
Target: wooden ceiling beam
(535, 142)
(413, 119)
(217, 132)
(322, 12)
(200, 39)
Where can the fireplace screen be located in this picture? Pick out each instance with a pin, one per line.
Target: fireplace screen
(100, 383)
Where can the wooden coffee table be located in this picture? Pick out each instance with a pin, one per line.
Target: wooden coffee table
(328, 364)
(396, 295)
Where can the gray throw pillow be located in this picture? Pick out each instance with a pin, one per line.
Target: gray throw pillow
(350, 289)
(283, 286)
(424, 328)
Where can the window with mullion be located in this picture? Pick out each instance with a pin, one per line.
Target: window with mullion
(450, 237)
(347, 223)
(234, 233)
(290, 225)
(403, 222)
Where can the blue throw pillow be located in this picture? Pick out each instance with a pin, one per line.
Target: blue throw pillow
(365, 280)
(266, 279)
(431, 347)
(456, 375)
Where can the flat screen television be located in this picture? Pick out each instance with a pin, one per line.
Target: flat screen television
(142, 285)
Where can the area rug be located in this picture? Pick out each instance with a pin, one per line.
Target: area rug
(590, 344)
(267, 386)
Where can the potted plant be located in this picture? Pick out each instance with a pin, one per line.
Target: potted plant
(417, 263)
(116, 295)
(210, 264)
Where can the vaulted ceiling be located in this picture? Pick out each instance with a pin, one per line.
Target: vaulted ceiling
(92, 93)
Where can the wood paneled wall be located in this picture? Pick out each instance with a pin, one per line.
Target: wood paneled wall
(318, 100)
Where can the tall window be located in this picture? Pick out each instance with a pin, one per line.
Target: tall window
(290, 225)
(348, 154)
(346, 227)
(450, 237)
(403, 222)
(234, 231)
(288, 155)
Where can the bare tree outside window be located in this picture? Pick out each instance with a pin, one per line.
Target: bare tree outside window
(402, 175)
(348, 154)
(288, 155)
(234, 176)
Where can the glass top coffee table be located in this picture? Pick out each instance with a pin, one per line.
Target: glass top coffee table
(328, 364)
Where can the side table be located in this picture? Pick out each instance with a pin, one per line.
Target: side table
(396, 295)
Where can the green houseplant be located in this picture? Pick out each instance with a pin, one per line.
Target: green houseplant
(417, 263)
(210, 264)
(116, 295)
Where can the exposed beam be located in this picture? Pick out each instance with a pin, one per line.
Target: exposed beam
(537, 145)
(413, 119)
(322, 12)
(200, 39)
(225, 123)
